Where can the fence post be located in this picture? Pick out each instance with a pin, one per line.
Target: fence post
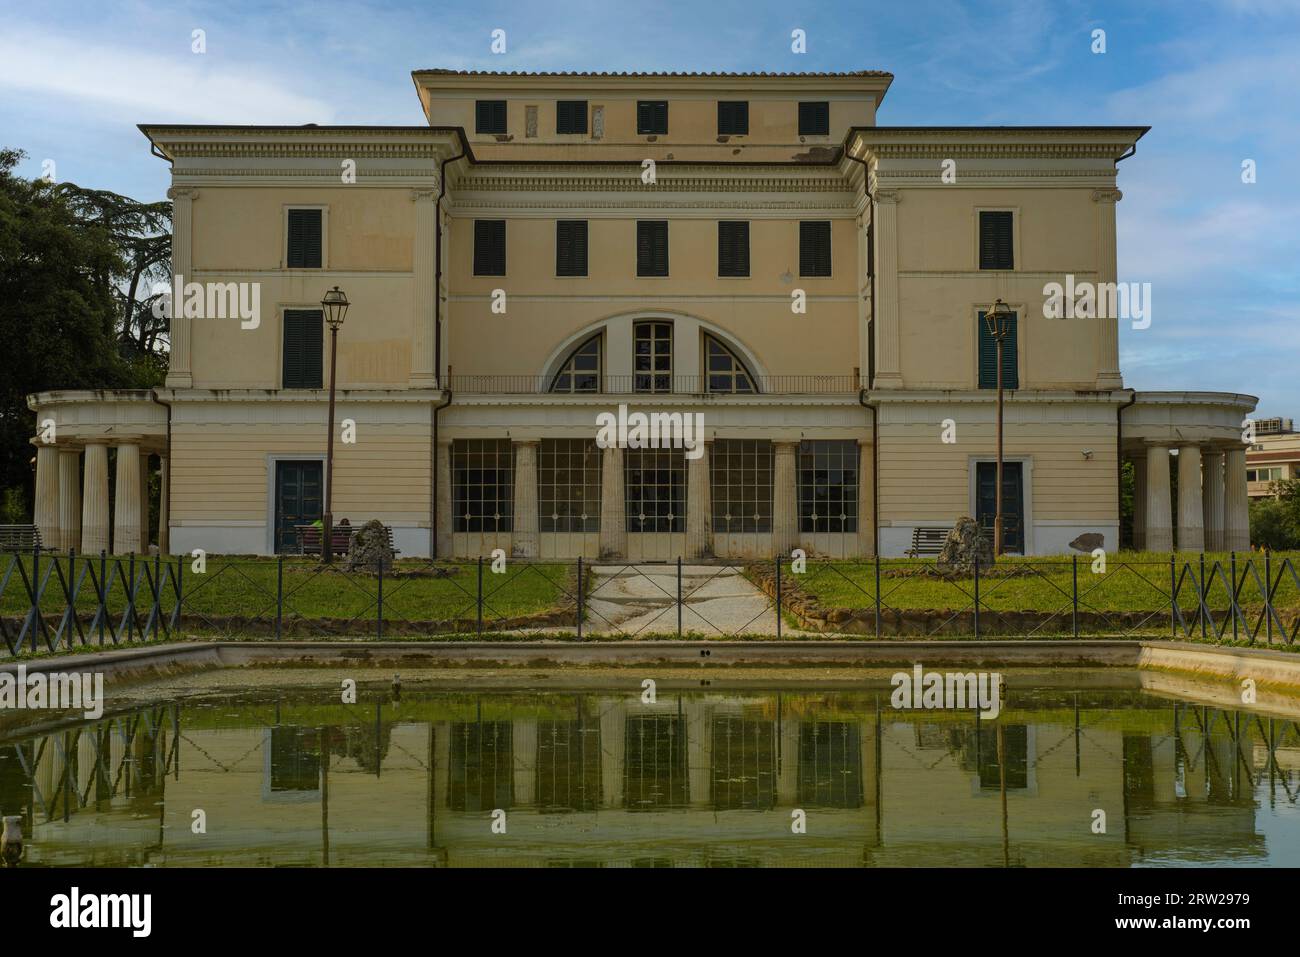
(279, 596)
(977, 596)
(480, 596)
(1173, 599)
(130, 596)
(1200, 612)
(103, 592)
(379, 619)
(180, 590)
(1232, 593)
(580, 600)
(37, 620)
(70, 593)
(679, 596)
(1074, 616)
(777, 565)
(1268, 595)
(156, 611)
(877, 564)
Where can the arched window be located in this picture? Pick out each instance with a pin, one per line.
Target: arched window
(581, 370)
(726, 373)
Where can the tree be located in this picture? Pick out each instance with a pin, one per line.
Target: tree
(72, 316)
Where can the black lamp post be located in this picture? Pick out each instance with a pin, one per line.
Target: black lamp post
(998, 320)
(335, 306)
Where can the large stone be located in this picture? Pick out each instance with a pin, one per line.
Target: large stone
(966, 544)
(369, 549)
(1088, 541)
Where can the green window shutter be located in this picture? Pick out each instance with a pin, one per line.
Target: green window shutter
(652, 248)
(304, 349)
(996, 247)
(733, 117)
(571, 116)
(815, 249)
(304, 242)
(815, 119)
(490, 116)
(652, 117)
(733, 248)
(571, 247)
(489, 247)
(988, 351)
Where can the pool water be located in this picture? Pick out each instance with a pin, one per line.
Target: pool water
(251, 773)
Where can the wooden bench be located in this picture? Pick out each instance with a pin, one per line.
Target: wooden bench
(309, 538)
(16, 538)
(927, 541)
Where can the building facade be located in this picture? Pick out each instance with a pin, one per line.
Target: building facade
(750, 253)
(1273, 457)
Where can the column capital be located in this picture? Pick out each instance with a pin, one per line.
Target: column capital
(176, 193)
(890, 197)
(423, 194)
(1111, 196)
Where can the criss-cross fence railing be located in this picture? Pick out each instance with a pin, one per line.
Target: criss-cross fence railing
(67, 601)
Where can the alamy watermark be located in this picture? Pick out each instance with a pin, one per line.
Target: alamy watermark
(653, 430)
(951, 691)
(210, 300)
(1098, 300)
(83, 691)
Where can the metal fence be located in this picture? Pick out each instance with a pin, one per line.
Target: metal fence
(51, 603)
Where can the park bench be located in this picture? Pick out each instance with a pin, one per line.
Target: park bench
(309, 537)
(927, 541)
(24, 538)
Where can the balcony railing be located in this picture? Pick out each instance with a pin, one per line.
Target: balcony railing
(636, 383)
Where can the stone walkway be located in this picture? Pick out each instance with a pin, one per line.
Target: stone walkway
(641, 600)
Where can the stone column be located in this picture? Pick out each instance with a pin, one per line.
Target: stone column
(126, 500)
(1212, 499)
(613, 510)
(442, 500)
(1139, 501)
(69, 499)
(1191, 515)
(888, 358)
(785, 500)
(1160, 533)
(94, 500)
(523, 747)
(866, 494)
(144, 501)
(46, 513)
(699, 504)
(613, 744)
(1108, 374)
(523, 540)
(1236, 515)
(178, 363)
(699, 752)
(422, 331)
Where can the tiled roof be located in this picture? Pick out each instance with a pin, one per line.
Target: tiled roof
(601, 75)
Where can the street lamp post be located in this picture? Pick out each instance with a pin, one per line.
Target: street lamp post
(335, 306)
(998, 319)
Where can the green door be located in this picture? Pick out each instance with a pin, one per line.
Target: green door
(1013, 503)
(299, 490)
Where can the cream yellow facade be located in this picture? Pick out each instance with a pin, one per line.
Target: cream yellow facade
(834, 362)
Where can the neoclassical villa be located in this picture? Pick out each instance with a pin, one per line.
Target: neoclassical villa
(750, 248)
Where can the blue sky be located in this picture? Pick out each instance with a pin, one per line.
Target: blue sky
(1218, 80)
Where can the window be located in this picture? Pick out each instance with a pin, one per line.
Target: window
(489, 247)
(744, 762)
(581, 370)
(733, 249)
(568, 485)
(482, 485)
(571, 116)
(482, 768)
(733, 117)
(996, 240)
(726, 373)
(568, 765)
(655, 487)
(740, 474)
(988, 356)
(303, 249)
(1264, 475)
(652, 357)
(490, 116)
(571, 247)
(654, 762)
(828, 486)
(652, 247)
(830, 764)
(815, 119)
(652, 117)
(304, 339)
(815, 249)
(295, 759)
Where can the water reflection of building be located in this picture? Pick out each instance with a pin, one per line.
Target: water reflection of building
(607, 780)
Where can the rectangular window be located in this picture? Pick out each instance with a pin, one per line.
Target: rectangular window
(652, 117)
(740, 473)
(571, 116)
(303, 249)
(654, 762)
(733, 117)
(568, 764)
(815, 119)
(482, 485)
(571, 247)
(996, 240)
(828, 486)
(652, 247)
(733, 249)
(304, 341)
(490, 116)
(652, 357)
(568, 485)
(744, 762)
(655, 485)
(988, 355)
(481, 775)
(830, 764)
(815, 249)
(489, 247)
